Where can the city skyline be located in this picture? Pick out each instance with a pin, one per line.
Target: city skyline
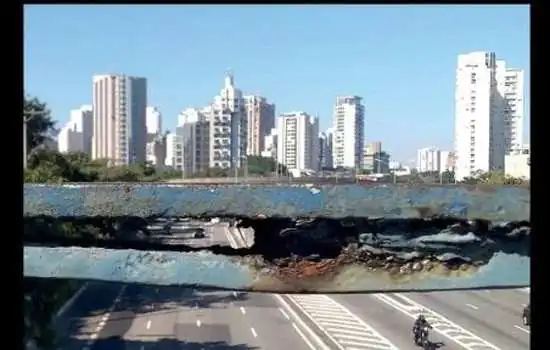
(395, 90)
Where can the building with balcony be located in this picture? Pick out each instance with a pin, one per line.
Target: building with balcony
(119, 118)
(428, 160)
(260, 116)
(489, 113)
(348, 124)
(298, 141)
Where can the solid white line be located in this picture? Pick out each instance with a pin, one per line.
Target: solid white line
(243, 311)
(235, 294)
(284, 314)
(302, 335)
(320, 344)
(148, 326)
(523, 329)
(472, 306)
(198, 323)
(253, 332)
(71, 301)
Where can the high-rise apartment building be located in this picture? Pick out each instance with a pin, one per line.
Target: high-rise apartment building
(511, 89)
(298, 141)
(174, 151)
(228, 127)
(348, 125)
(325, 150)
(270, 145)
(260, 116)
(428, 160)
(156, 149)
(153, 120)
(488, 113)
(119, 109)
(194, 129)
(76, 135)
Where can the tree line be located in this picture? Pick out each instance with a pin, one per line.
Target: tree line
(46, 165)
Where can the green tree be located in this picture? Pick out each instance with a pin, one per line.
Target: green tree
(40, 124)
(264, 166)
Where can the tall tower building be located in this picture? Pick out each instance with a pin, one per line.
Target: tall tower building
(348, 124)
(298, 141)
(260, 117)
(488, 113)
(153, 120)
(119, 109)
(228, 127)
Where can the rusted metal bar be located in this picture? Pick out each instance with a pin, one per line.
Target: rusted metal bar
(209, 270)
(481, 202)
(361, 238)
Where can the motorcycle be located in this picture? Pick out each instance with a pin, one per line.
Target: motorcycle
(421, 336)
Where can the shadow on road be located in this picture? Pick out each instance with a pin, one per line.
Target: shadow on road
(139, 300)
(433, 345)
(160, 344)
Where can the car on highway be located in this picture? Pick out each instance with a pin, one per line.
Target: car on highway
(199, 234)
(526, 317)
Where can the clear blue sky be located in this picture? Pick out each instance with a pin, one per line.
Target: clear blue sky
(401, 59)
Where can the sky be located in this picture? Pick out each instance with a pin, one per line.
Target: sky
(400, 59)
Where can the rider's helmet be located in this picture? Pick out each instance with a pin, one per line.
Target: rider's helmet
(421, 318)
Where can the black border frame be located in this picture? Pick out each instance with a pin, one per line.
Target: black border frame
(14, 267)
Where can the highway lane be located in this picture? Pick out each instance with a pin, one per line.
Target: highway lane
(493, 315)
(165, 318)
(110, 317)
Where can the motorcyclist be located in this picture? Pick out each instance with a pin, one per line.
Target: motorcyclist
(419, 324)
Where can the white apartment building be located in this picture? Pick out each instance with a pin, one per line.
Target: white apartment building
(228, 127)
(76, 135)
(298, 141)
(511, 90)
(270, 145)
(174, 151)
(119, 110)
(156, 149)
(194, 128)
(518, 164)
(153, 120)
(260, 117)
(348, 125)
(428, 159)
(69, 139)
(488, 113)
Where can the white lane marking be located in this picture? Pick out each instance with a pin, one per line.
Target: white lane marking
(253, 332)
(71, 301)
(326, 314)
(243, 311)
(303, 336)
(523, 329)
(526, 290)
(230, 238)
(320, 344)
(198, 323)
(105, 318)
(440, 324)
(284, 314)
(235, 294)
(472, 306)
(148, 326)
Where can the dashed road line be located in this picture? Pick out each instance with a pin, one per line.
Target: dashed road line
(340, 325)
(440, 323)
(104, 319)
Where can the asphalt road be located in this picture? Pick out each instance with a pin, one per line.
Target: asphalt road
(109, 316)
